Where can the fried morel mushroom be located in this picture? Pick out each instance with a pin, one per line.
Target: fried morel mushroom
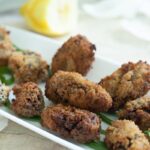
(81, 125)
(75, 55)
(6, 47)
(137, 110)
(125, 135)
(72, 88)
(29, 101)
(28, 66)
(129, 82)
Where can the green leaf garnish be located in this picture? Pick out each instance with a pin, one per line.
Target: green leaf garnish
(6, 76)
(35, 118)
(147, 132)
(4, 70)
(103, 132)
(97, 145)
(17, 48)
(8, 104)
(105, 118)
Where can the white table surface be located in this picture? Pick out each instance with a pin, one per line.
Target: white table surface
(111, 41)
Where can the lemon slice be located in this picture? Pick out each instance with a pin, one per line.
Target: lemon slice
(50, 17)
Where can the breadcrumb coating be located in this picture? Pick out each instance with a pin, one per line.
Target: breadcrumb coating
(29, 101)
(129, 82)
(28, 66)
(137, 110)
(6, 47)
(125, 135)
(76, 55)
(72, 88)
(4, 93)
(70, 122)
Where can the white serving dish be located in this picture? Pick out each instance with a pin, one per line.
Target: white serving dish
(47, 47)
(139, 27)
(8, 5)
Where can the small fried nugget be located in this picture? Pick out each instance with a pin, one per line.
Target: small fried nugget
(29, 101)
(76, 55)
(129, 82)
(137, 110)
(70, 122)
(125, 135)
(72, 88)
(28, 66)
(4, 93)
(6, 47)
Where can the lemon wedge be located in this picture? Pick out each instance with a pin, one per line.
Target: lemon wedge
(50, 17)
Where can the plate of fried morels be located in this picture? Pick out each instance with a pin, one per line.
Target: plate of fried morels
(68, 94)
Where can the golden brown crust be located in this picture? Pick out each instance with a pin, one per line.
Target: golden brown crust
(4, 93)
(137, 110)
(29, 100)
(70, 122)
(71, 88)
(129, 82)
(28, 66)
(6, 47)
(111, 83)
(125, 135)
(76, 54)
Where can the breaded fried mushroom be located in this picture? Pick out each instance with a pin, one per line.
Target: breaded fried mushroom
(6, 47)
(4, 93)
(70, 122)
(137, 110)
(125, 135)
(29, 101)
(76, 55)
(72, 88)
(28, 66)
(129, 82)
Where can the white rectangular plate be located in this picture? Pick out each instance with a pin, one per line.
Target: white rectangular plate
(47, 48)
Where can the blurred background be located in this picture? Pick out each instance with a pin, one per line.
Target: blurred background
(115, 26)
